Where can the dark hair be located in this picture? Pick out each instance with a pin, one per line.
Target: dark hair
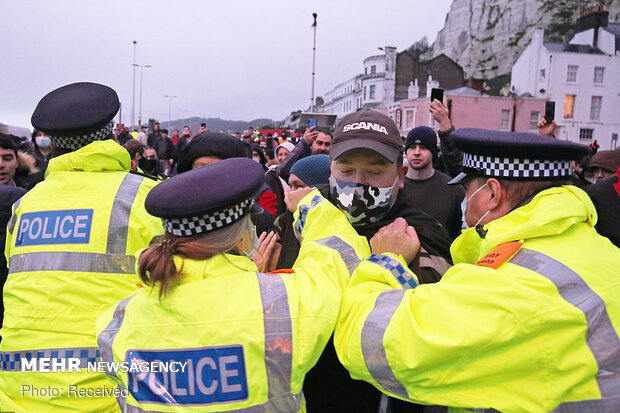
(7, 142)
(326, 131)
(133, 146)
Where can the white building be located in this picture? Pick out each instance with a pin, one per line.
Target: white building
(581, 77)
(374, 88)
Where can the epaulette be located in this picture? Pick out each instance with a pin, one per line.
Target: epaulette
(155, 178)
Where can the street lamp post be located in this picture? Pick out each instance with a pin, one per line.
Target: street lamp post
(133, 98)
(170, 97)
(141, 77)
(183, 111)
(313, 62)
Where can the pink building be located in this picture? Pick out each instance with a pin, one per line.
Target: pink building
(470, 109)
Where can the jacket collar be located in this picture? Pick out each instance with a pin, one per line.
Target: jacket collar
(551, 212)
(220, 265)
(98, 156)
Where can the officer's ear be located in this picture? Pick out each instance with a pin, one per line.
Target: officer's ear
(497, 194)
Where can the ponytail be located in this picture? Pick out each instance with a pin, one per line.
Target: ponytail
(156, 263)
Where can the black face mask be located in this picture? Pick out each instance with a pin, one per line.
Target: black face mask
(147, 165)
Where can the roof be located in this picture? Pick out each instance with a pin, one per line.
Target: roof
(464, 91)
(614, 28)
(571, 48)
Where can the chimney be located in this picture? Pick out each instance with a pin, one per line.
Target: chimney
(413, 91)
(476, 84)
(593, 17)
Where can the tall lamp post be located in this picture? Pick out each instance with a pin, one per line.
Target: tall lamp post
(169, 97)
(133, 97)
(183, 111)
(313, 62)
(141, 77)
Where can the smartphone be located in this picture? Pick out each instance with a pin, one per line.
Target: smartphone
(311, 122)
(436, 93)
(549, 111)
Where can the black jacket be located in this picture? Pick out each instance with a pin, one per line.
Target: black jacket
(605, 196)
(8, 196)
(328, 387)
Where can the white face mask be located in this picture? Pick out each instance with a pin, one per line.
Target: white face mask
(464, 207)
(43, 141)
(254, 241)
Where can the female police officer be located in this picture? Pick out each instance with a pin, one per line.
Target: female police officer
(209, 333)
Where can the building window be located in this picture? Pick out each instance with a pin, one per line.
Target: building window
(534, 116)
(371, 93)
(373, 69)
(543, 73)
(364, 92)
(599, 74)
(505, 119)
(586, 134)
(409, 118)
(569, 106)
(365, 70)
(595, 107)
(571, 73)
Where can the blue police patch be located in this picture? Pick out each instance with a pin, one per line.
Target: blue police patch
(54, 227)
(203, 376)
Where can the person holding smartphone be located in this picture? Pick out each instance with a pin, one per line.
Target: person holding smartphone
(315, 141)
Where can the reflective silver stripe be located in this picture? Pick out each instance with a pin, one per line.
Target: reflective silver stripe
(610, 404)
(439, 264)
(347, 253)
(373, 332)
(11, 360)
(13, 219)
(270, 406)
(119, 216)
(278, 339)
(602, 338)
(72, 261)
(399, 272)
(107, 336)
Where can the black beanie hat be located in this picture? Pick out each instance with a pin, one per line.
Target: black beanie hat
(425, 136)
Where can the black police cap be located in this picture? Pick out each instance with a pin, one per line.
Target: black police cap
(514, 156)
(76, 114)
(206, 198)
(211, 144)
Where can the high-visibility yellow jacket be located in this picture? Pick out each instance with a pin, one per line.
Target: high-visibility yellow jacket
(246, 339)
(525, 321)
(70, 248)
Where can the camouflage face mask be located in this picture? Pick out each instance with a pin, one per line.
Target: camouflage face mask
(362, 204)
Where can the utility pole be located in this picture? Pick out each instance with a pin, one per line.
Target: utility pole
(313, 62)
(170, 97)
(133, 98)
(141, 76)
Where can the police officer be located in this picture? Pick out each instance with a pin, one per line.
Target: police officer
(526, 320)
(70, 246)
(246, 338)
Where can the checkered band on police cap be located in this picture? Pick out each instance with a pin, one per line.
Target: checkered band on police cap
(186, 227)
(76, 142)
(517, 168)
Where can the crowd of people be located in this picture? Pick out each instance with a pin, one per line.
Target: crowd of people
(344, 270)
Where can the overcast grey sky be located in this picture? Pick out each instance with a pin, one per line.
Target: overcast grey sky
(232, 59)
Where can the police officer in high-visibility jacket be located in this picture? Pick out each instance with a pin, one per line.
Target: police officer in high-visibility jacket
(70, 248)
(527, 319)
(227, 337)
